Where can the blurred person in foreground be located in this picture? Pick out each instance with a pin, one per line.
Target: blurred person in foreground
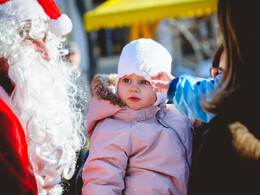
(228, 161)
(40, 131)
(228, 158)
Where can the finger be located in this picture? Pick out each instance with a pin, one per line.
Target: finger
(170, 77)
(160, 90)
(153, 82)
(159, 84)
(156, 89)
(156, 77)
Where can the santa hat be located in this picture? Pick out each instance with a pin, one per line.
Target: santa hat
(20, 10)
(143, 57)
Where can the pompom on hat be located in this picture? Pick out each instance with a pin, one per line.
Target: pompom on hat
(20, 10)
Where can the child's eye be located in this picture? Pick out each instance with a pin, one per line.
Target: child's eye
(145, 82)
(126, 80)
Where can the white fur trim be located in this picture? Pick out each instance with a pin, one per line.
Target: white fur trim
(60, 26)
(20, 10)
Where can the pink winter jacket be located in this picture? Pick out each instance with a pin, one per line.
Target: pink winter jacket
(130, 152)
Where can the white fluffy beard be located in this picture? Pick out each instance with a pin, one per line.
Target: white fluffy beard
(43, 101)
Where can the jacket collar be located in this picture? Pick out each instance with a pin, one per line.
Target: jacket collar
(128, 114)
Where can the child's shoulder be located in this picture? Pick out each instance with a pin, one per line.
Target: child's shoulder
(110, 124)
(178, 122)
(172, 114)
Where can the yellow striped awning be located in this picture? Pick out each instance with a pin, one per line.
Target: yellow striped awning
(119, 13)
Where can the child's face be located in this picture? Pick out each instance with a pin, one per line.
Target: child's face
(136, 92)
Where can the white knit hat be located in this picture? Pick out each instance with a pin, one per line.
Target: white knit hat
(143, 57)
(21, 10)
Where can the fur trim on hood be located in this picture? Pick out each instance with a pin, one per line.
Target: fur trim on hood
(244, 142)
(103, 87)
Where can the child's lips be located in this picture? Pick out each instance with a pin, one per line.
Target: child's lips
(134, 99)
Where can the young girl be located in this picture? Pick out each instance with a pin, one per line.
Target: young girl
(138, 143)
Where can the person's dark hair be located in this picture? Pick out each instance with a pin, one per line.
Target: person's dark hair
(5, 81)
(216, 57)
(240, 37)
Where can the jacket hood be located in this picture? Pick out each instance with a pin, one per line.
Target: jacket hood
(106, 103)
(103, 87)
(103, 99)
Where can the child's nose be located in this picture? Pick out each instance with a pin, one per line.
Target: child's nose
(134, 88)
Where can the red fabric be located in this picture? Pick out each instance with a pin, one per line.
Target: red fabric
(50, 8)
(14, 161)
(3, 1)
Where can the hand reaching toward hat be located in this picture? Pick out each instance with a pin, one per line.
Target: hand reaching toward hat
(161, 82)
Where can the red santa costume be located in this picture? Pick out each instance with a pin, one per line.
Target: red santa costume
(14, 160)
(40, 126)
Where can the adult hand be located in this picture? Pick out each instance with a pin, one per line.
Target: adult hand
(161, 82)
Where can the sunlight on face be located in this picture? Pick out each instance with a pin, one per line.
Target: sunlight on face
(136, 92)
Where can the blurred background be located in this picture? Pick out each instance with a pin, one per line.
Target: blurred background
(187, 28)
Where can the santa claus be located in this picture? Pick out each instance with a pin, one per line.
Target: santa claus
(40, 124)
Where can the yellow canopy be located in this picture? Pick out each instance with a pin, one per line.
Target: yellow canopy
(119, 13)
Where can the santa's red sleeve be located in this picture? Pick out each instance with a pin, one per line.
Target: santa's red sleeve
(15, 177)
